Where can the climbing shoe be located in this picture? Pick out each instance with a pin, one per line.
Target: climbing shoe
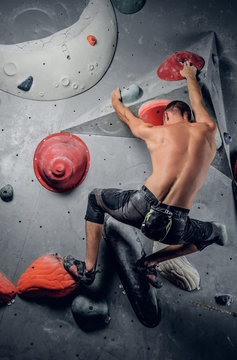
(220, 233)
(149, 272)
(77, 269)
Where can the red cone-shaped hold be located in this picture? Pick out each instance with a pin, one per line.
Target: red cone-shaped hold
(61, 162)
(170, 68)
(152, 111)
(7, 290)
(91, 39)
(46, 277)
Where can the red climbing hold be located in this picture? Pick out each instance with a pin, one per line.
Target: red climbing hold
(170, 68)
(61, 162)
(152, 111)
(91, 39)
(7, 290)
(46, 277)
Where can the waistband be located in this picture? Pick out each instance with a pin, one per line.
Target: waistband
(177, 211)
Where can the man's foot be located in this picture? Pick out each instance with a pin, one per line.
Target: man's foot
(222, 236)
(77, 269)
(149, 272)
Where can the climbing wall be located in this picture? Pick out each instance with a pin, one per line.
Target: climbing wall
(38, 221)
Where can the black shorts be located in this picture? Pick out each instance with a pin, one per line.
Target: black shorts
(132, 206)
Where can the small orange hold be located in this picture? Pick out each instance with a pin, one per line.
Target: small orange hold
(91, 39)
(46, 277)
(7, 290)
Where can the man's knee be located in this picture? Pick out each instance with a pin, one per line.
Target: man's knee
(94, 212)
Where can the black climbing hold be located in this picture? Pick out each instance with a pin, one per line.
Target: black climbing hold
(90, 313)
(125, 250)
(6, 193)
(26, 84)
(227, 138)
(224, 299)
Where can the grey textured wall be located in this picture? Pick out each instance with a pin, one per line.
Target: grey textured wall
(37, 221)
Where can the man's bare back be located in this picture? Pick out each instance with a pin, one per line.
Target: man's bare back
(181, 151)
(181, 154)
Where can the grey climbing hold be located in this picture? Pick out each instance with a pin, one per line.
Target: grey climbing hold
(131, 94)
(6, 193)
(180, 272)
(26, 84)
(224, 299)
(90, 313)
(128, 6)
(227, 138)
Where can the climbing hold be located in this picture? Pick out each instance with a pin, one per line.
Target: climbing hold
(128, 6)
(91, 39)
(46, 277)
(65, 81)
(90, 313)
(131, 94)
(6, 193)
(152, 111)
(10, 69)
(125, 252)
(179, 271)
(227, 138)
(61, 162)
(91, 67)
(224, 299)
(169, 70)
(7, 290)
(26, 85)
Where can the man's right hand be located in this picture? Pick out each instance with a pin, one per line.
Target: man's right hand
(116, 95)
(188, 71)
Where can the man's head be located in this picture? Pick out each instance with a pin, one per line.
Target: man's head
(175, 111)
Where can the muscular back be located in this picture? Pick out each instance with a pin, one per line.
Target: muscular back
(181, 154)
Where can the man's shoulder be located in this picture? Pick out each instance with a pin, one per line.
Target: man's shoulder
(202, 126)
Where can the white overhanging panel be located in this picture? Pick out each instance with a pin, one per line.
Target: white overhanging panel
(65, 63)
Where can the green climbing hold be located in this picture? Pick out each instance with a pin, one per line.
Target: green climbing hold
(131, 94)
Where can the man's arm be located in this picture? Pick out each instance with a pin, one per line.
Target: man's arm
(136, 125)
(195, 96)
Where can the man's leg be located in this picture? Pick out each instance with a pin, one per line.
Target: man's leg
(93, 235)
(148, 264)
(170, 252)
(101, 201)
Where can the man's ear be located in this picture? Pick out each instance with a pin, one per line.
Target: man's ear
(166, 116)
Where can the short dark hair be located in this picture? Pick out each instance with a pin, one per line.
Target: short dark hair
(181, 107)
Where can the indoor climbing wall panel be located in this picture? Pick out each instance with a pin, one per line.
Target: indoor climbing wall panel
(37, 221)
(82, 53)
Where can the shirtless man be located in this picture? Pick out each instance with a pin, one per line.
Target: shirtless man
(181, 152)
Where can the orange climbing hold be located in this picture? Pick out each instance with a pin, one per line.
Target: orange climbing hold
(91, 39)
(7, 290)
(169, 70)
(152, 111)
(46, 277)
